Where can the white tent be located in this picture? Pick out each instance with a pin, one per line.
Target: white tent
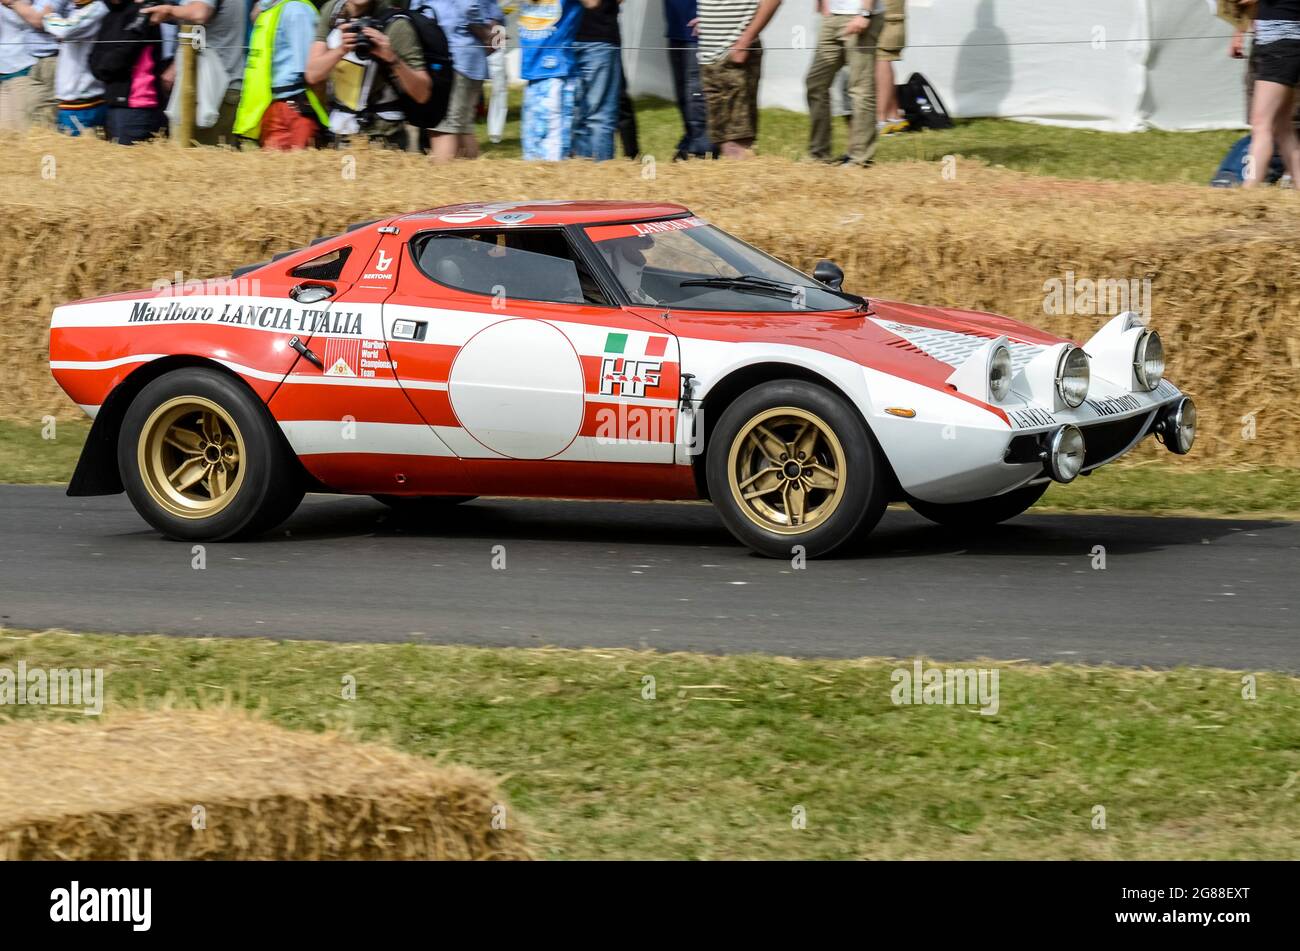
(1116, 65)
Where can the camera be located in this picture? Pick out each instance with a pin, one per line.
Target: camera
(358, 26)
(142, 18)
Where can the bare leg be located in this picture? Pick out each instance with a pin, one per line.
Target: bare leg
(742, 149)
(468, 146)
(1271, 101)
(886, 91)
(442, 146)
(1288, 142)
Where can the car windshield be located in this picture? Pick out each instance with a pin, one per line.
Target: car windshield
(687, 264)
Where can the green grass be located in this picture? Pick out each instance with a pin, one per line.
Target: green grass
(1171, 488)
(28, 456)
(1037, 149)
(714, 766)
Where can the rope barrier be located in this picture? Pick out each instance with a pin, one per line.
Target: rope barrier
(1224, 37)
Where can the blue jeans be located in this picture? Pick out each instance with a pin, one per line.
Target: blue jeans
(690, 99)
(546, 128)
(595, 100)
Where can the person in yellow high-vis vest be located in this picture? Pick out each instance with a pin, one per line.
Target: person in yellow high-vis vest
(276, 106)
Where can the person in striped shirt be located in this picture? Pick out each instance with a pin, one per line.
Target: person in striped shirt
(731, 59)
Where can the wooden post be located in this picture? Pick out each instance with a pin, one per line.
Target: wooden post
(188, 76)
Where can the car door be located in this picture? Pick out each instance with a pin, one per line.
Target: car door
(342, 408)
(512, 350)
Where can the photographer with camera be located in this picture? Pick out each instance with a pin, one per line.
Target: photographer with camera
(130, 60)
(372, 58)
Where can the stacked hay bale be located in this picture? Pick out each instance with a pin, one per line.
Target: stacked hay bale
(193, 784)
(84, 218)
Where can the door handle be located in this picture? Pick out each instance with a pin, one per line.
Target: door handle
(306, 352)
(311, 293)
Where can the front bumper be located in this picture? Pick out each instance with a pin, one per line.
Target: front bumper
(979, 460)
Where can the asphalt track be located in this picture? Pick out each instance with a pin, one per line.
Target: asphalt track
(668, 576)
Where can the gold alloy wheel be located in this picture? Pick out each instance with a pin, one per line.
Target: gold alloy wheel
(786, 470)
(191, 457)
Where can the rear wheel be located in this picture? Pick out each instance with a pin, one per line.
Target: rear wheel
(202, 460)
(982, 512)
(792, 464)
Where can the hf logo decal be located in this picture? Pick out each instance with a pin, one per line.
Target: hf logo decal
(630, 375)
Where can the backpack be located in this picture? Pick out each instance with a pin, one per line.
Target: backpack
(437, 60)
(1231, 171)
(115, 50)
(922, 105)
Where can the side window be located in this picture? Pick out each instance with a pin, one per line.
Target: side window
(327, 267)
(528, 264)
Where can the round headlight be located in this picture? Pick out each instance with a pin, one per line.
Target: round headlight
(1178, 427)
(1073, 376)
(1000, 373)
(1149, 360)
(1066, 453)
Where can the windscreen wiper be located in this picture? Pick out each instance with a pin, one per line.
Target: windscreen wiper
(766, 285)
(746, 282)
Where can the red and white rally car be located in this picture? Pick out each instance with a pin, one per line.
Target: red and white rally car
(587, 349)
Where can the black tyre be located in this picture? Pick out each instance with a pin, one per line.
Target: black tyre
(982, 512)
(790, 463)
(419, 505)
(202, 460)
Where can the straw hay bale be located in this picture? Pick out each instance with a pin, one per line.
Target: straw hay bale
(126, 787)
(83, 218)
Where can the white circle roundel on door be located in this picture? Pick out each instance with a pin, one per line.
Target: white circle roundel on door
(517, 388)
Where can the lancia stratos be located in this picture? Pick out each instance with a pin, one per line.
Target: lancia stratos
(587, 349)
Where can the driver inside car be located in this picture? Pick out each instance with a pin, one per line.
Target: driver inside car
(627, 258)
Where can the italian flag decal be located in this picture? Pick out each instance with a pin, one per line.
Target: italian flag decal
(628, 368)
(617, 343)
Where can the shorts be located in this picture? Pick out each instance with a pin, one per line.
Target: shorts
(1278, 62)
(285, 128)
(893, 36)
(463, 106)
(731, 96)
(79, 117)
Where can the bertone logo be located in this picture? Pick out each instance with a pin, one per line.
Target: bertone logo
(75, 904)
(56, 687)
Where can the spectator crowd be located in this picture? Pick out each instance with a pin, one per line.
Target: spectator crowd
(287, 74)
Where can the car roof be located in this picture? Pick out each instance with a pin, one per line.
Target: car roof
(543, 213)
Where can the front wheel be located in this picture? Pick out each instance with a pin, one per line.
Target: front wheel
(202, 460)
(791, 465)
(982, 512)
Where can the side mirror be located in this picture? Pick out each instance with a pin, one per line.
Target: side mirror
(829, 273)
